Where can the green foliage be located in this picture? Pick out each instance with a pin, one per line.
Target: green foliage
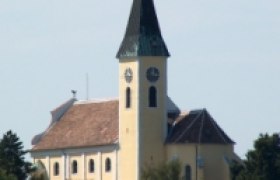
(168, 171)
(12, 156)
(262, 163)
(4, 176)
(40, 172)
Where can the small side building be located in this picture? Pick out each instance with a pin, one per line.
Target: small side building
(204, 148)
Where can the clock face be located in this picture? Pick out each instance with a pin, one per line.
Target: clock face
(128, 75)
(152, 74)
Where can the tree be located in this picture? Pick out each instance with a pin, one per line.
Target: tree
(40, 172)
(4, 176)
(12, 156)
(167, 171)
(262, 163)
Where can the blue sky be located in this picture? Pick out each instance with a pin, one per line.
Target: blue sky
(224, 57)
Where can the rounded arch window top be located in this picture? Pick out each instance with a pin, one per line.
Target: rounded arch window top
(108, 165)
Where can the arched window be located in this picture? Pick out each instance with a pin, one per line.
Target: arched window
(91, 166)
(188, 172)
(152, 97)
(128, 98)
(74, 167)
(56, 169)
(108, 165)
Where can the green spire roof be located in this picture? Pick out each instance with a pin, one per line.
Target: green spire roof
(143, 36)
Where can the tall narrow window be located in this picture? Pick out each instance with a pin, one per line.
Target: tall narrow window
(152, 97)
(128, 98)
(56, 169)
(91, 166)
(188, 172)
(74, 167)
(108, 165)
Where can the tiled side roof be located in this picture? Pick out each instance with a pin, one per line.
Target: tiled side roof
(96, 123)
(197, 127)
(89, 124)
(57, 113)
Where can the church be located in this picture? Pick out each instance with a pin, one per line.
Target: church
(114, 139)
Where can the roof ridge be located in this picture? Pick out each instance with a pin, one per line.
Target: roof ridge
(96, 101)
(191, 124)
(201, 127)
(71, 100)
(216, 127)
(56, 115)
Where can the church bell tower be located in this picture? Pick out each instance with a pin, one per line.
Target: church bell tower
(142, 92)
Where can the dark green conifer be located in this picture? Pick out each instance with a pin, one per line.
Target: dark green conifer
(12, 160)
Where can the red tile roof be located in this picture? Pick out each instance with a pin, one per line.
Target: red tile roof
(97, 123)
(83, 125)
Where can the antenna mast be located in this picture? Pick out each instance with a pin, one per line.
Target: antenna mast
(87, 87)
